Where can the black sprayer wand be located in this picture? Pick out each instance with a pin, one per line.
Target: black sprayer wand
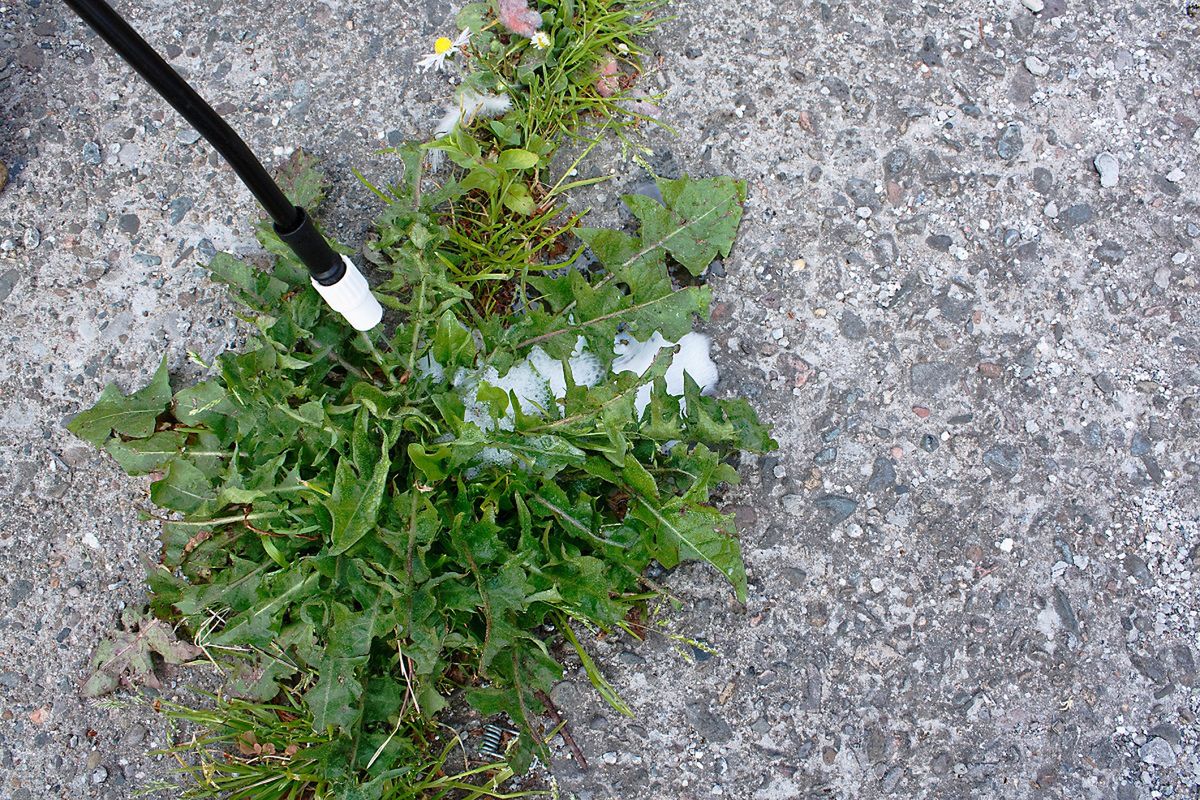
(335, 277)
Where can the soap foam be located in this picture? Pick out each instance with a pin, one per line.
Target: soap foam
(428, 367)
(634, 356)
(693, 358)
(539, 380)
(585, 368)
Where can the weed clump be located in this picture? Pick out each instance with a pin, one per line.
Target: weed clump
(361, 526)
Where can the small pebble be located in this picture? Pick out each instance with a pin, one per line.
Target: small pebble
(1010, 143)
(178, 208)
(1033, 5)
(1157, 752)
(877, 585)
(1078, 214)
(1051, 210)
(1109, 168)
(1006, 545)
(1037, 67)
(129, 223)
(1176, 175)
(826, 456)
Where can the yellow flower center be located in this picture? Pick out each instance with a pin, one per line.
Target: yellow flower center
(442, 45)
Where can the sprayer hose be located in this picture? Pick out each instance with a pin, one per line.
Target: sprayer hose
(184, 99)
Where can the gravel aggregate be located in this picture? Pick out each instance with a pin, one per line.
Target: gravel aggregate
(974, 561)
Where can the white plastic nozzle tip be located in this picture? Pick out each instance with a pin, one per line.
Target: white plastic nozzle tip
(351, 297)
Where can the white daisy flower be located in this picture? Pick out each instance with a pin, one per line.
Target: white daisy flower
(443, 48)
(540, 40)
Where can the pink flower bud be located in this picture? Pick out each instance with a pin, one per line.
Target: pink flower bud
(518, 18)
(608, 79)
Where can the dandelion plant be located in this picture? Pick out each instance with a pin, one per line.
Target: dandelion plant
(364, 528)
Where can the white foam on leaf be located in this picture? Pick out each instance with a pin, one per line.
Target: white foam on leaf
(528, 385)
(551, 371)
(428, 367)
(539, 380)
(634, 356)
(586, 369)
(693, 358)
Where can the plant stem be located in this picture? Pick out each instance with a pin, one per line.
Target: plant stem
(564, 729)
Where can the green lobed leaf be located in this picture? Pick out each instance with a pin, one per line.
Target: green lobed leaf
(261, 622)
(356, 499)
(132, 415)
(255, 288)
(641, 267)
(638, 478)
(453, 344)
(697, 220)
(142, 456)
(333, 701)
(184, 487)
(518, 199)
(684, 532)
(599, 309)
(431, 461)
(544, 454)
(238, 590)
(752, 435)
(201, 403)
